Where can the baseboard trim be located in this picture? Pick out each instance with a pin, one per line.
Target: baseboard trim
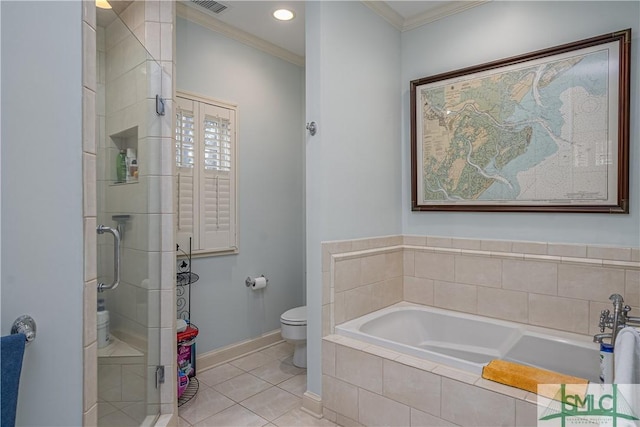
(312, 404)
(236, 350)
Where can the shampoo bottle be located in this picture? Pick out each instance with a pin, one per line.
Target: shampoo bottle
(103, 323)
(121, 166)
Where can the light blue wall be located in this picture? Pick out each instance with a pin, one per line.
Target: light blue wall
(42, 225)
(353, 162)
(498, 30)
(269, 93)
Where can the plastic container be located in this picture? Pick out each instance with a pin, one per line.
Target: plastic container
(606, 363)
(132, 165)
(103, 329)
(133, 171)
(121, 166)
(183, 382)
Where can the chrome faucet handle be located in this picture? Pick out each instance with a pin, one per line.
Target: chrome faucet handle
(624, 317)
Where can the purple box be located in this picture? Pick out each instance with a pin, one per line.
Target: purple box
(187, 359)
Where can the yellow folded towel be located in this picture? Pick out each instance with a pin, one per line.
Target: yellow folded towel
(529, 378)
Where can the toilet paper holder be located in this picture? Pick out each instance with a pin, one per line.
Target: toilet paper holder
(250, 282)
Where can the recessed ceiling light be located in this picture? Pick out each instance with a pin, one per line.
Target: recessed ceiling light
(103, 4)
(283, 15)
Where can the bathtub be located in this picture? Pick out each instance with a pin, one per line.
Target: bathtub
(469, 342)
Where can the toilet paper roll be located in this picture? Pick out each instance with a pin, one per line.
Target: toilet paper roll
(259, 283)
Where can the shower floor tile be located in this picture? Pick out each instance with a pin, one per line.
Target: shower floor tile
(273, 387)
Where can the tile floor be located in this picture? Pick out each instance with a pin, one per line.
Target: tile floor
(260, 389)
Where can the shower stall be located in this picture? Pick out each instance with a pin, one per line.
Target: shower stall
(133, 188)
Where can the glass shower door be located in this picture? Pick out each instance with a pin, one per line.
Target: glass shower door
(127, 197)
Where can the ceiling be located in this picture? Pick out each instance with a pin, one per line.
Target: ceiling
(254, 17)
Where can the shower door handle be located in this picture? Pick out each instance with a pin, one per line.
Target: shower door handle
(116, 257)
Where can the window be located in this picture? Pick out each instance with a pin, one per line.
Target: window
(205, 175)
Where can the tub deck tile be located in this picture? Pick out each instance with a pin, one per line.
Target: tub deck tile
(507, 255)
(351, 343)
(456, 374)
(416, 363)
(501, 388)
(382, 352)
(531, 398)
(332, 338)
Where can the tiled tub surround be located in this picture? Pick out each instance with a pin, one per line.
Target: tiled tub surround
(558, 286)
(368, 385)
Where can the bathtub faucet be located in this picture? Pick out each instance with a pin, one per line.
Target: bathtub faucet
(616, 321)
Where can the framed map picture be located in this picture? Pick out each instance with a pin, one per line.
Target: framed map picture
(545, 131)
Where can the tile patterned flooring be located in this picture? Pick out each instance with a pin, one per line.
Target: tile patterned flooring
(260, 389)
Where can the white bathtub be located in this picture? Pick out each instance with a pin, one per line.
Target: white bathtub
(469, 342)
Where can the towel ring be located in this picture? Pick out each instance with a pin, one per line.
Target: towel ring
(25, 325)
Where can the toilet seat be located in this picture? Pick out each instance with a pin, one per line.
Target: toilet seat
(295, 317)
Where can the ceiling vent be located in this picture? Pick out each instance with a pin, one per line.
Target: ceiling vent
(211, 6)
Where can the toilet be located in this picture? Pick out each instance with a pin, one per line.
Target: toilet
(294, 330)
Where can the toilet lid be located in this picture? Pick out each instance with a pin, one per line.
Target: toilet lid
(295, 316)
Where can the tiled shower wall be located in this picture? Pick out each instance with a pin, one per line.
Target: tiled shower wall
(552, 285)
(559, 286)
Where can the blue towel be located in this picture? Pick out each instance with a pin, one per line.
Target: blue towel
(12, 349)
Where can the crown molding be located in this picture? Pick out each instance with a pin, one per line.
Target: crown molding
(204, 19)
(386, 12)
(395, 19)
(440, 12)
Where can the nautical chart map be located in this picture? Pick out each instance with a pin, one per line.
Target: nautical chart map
(537, 133)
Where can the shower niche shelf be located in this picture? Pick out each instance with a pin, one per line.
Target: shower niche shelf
(126, 141)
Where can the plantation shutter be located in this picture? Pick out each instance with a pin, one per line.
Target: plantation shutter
(217, 210)
(186, 173)
(205, 175)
